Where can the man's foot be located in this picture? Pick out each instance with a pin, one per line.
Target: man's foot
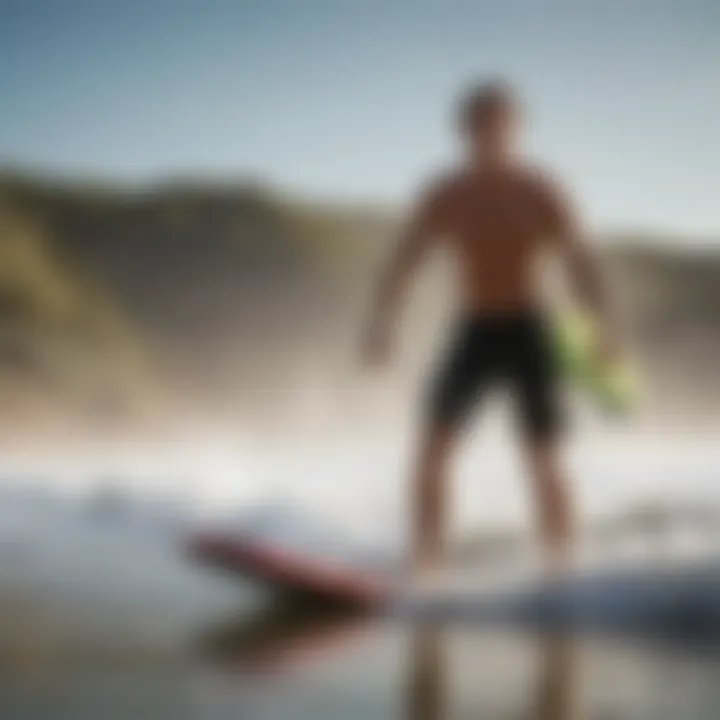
(425, 580)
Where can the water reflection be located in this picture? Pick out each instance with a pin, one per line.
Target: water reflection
(558, 670)
(535, 674)
(319, 666)
(427, 687)
(299, 664)
(283, 638)
(428, 690)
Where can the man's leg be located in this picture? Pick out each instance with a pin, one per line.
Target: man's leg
(542, 421)
(454, 392)
(553, 507)
(429, 498)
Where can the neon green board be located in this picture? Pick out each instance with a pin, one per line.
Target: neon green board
(615, 389)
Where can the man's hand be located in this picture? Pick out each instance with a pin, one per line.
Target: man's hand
(608, 351)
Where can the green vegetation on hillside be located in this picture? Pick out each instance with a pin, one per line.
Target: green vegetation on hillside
(62, 340)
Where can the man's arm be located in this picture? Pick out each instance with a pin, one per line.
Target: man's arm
(421, 231)
(584, 270)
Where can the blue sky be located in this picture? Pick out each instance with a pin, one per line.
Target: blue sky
(352, 99)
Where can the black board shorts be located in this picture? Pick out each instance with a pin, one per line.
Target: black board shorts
(510, 350)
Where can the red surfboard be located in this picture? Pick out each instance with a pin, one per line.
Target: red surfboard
(290, 571)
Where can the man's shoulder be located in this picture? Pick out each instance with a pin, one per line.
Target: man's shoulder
(542, 181)
(537, 175)
(442, 183)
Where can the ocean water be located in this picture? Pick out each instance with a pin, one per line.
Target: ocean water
(328, 668)
(84, 578)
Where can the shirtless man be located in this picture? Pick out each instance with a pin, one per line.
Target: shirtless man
(498, 215)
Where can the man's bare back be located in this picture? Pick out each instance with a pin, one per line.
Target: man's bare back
(499, 222)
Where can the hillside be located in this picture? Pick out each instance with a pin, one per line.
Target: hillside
(671, 301)
(233, 296)
(212, 289)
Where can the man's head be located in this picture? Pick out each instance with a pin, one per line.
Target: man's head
(488, 117)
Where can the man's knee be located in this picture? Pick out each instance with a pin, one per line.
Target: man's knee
(542, 451)
(437, 441)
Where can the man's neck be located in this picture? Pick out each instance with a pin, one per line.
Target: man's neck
(489, 163)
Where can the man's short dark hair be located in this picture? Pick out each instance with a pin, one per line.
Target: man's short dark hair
(485, 100)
